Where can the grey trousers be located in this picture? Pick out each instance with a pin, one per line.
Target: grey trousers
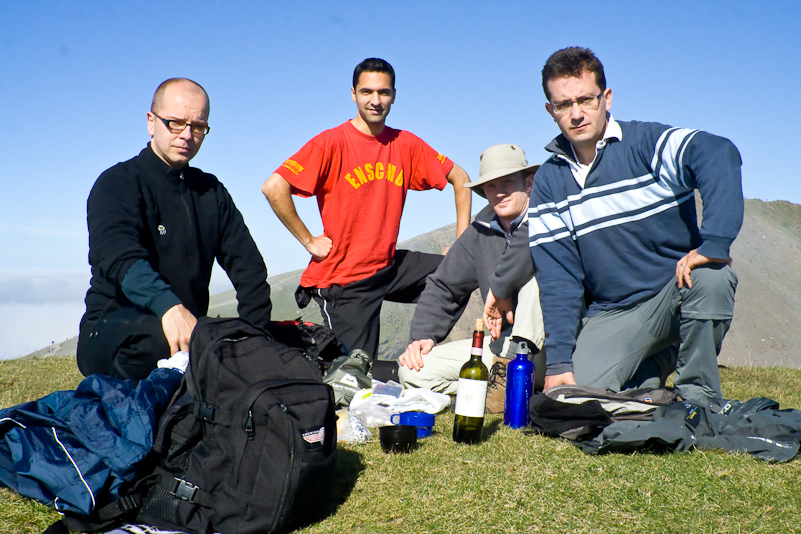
(634, 347)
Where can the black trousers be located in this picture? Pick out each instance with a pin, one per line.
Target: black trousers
(353, 310)
(126, 343)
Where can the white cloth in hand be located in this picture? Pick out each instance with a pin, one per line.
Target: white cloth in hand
(178, 361)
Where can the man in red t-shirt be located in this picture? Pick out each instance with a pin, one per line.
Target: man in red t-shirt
(360, 173)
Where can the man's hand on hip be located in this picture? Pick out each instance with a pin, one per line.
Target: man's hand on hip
(178, 324)
(320, 247)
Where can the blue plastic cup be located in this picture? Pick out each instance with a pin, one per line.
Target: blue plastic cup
(422, 420)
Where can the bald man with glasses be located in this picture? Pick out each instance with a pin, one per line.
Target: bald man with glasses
(156, 226)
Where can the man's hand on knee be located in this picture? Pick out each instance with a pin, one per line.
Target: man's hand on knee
(413, 356)
(178, 324)
(558, 380)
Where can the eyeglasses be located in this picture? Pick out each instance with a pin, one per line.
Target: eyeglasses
(176, 126)
(584, 102)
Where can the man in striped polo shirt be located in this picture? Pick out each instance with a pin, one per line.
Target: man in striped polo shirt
(631, 288)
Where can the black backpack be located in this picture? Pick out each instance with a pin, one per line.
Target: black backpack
(578, 412)
(316, 340)
(249, 442)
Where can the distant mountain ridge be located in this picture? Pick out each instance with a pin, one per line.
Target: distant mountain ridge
(765, 331)
(395, 318)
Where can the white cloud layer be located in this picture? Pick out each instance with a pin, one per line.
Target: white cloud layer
(26, 327)
(39, 307)
(39, 287)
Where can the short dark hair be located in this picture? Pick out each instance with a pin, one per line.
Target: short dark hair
(373, 64)
(158, 96)
(572, 62)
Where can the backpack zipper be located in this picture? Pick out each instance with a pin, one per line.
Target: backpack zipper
(286, 410)
(289, 481)
(251, 432)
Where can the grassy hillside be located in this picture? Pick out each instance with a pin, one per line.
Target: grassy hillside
(514, 481)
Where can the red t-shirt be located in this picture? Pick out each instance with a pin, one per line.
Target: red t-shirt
(360, 182)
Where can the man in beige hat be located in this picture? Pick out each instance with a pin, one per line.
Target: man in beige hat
(505, 181)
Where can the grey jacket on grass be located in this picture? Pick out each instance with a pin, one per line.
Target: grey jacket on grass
(467, 266)
(599, 421)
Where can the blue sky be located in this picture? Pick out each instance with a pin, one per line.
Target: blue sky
(77, 79)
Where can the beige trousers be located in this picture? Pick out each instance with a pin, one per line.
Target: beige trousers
(441, 366)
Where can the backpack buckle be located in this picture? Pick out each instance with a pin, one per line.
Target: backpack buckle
(206, 412)
(185, 490)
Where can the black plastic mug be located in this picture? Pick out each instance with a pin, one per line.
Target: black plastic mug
(398, 438)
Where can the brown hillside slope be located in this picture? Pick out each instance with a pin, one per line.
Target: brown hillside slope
(766, 256)
(767, 313)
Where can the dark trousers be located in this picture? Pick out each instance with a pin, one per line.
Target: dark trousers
(126, 343)
(353, 310)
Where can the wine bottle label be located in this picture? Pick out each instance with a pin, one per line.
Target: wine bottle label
(477, 351)
(470, 397)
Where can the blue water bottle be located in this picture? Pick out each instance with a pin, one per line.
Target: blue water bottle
(519, 387)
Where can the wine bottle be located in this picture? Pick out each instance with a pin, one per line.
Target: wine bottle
(471, 393)
(519, 387)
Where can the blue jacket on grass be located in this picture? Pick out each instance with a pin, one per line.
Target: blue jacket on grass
(73, 450)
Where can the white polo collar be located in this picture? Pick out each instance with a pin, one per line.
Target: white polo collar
(612, 131)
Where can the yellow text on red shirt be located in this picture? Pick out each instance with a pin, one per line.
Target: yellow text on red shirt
(372, 172)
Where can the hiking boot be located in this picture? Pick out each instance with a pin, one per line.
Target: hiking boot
(496, 386)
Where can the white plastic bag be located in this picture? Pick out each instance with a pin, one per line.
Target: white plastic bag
(350, 429)
(421, 400)
(374, 409)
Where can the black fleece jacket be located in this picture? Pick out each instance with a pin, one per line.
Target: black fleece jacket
(179, 221)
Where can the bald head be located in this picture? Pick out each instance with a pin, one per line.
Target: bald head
(183, 104)
(187, 85)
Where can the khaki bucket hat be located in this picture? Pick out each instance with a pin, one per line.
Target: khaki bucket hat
(498, 161)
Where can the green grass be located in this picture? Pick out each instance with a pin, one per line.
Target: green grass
(515, 481)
